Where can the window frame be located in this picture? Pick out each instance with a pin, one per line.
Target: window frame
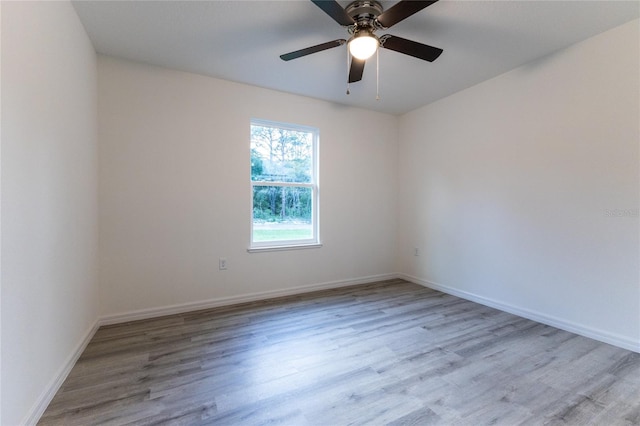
(314, 241)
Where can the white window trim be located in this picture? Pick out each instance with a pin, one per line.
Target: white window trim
(282, 248)
(262, 246)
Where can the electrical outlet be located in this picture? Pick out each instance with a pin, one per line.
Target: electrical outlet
(222, 263)
(416, 251)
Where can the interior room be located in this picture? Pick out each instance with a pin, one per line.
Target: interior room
(498, 174)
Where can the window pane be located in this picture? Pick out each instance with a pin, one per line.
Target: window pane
(282, 213)
(281, 155)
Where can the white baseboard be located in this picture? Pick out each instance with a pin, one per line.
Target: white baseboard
(596, 334)
(43, 401)
(233, 300)
(45, 398)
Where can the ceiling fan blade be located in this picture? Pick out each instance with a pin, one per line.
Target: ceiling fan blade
(313, 49)
(333, 9)
(411, 48)
(402, 10)
(356, 70)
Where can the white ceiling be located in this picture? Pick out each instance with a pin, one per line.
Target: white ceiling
(242, 40)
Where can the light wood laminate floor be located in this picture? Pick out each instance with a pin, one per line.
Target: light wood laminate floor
(383, 353)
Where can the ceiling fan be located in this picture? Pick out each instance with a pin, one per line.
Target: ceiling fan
(363, 18)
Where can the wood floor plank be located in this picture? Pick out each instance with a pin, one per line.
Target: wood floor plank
(389, 352)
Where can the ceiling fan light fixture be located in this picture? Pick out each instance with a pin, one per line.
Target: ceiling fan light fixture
(363, 45)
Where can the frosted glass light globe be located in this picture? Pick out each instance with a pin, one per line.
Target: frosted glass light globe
(362, 47)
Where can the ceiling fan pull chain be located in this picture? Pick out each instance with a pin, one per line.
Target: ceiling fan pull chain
(348, 92)
(377, 74)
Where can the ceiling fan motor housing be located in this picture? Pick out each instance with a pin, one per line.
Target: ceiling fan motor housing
(364, 13)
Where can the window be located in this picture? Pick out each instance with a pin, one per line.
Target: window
(284, 185)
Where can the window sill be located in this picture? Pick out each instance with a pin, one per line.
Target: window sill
(283, 248)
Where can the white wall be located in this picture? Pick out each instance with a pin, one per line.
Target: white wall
(0, 215)
(49, 201)
(506, 188)
(175, 193)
